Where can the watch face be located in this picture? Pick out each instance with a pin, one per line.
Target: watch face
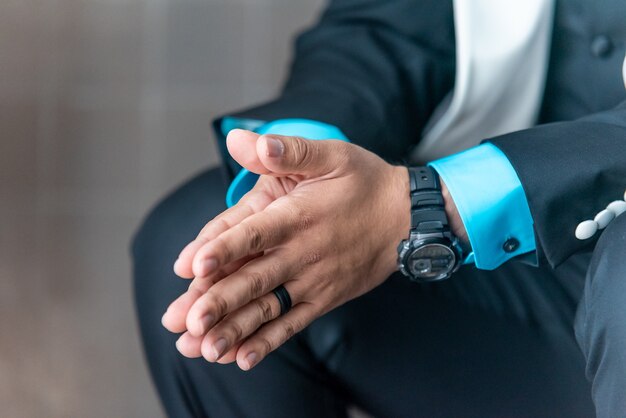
(432, 262)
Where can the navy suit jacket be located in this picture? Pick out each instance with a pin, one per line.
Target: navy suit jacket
(377, 70)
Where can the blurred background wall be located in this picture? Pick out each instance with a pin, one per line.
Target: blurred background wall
(105, 106)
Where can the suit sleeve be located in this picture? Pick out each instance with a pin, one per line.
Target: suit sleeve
(570, 171)
(374, 69)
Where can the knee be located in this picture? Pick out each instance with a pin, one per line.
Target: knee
(612, 242)
(603, 307)
(601, 319)
(608, 264)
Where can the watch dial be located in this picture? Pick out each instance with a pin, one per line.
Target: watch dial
(432, 261)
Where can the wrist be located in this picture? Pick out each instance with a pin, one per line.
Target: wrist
(403, 204)
(452, 212)
(399, 217)
(431, 252)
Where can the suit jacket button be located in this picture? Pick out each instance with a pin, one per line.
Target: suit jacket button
(510, 245)
(601, 46)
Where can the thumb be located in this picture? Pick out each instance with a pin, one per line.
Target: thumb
(241, 146)
(284, 155)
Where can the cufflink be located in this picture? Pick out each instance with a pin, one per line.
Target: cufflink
(587, 229)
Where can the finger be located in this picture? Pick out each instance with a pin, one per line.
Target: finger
(231, 355)
(189, 346)
(252, 281)
(266, 229)
(241, 145)
(174, 319)
(248, 205)
(232, 216)
(274, 334)
(240, 324)
(285, 155)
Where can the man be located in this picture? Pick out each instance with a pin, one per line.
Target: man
(523, 212)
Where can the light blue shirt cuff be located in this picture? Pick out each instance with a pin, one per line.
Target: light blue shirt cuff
(244, 181)
(491, 202)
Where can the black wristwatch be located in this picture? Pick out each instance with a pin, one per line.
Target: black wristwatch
(431, 252)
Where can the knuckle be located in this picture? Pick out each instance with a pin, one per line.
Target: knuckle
(274, 271)
(266, 345)
(265, 310)
(303, 222)
(289, 330)
(344, 148)
(223, 247)
(344, 153)
(221, 224)
(298, 217)
(218, 301)
(302, 152)
(235, 330)
(311, 258)
(259, 282)
(202, 238)
(212, 228)
(255, 238)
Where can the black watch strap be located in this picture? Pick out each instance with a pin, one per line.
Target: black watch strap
(423, 256)
(428, 214)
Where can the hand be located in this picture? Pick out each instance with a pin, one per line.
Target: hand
(324, 220)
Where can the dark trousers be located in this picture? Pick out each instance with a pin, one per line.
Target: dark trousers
(482, 344)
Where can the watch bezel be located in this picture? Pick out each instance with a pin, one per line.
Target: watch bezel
(410, 246)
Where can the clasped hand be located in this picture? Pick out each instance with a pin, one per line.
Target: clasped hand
(324, 220)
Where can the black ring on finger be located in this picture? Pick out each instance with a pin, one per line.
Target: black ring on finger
(283, 299)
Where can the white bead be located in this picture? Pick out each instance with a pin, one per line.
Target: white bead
(624, 73)
(618, 207)
(604, 217)
(586, 229)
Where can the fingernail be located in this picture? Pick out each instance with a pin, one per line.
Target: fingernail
(178, 342)
(206, 267)
(218, 349)
(176, 264)
(250, 360)
(275, 147)
(163, 319)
